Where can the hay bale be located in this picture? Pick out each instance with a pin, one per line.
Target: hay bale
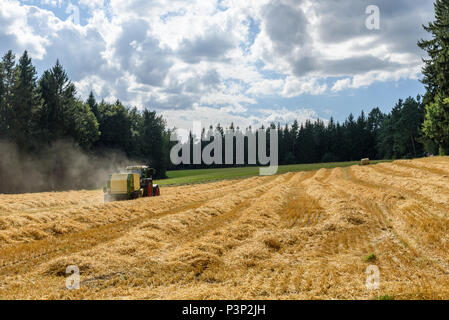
(365, 162)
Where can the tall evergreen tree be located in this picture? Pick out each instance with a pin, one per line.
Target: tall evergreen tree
(115, 127)
(81, 124)
(350, 139)
(436, 68)
(6, 92)
(3, 118)
(57, 92)
(153, 143)
(93, 104)
(375, 120)
(62, 115)
(330, 132)
(25, 102)
(436, 75)
(398, 135)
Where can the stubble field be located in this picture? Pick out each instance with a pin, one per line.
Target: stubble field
(300, 235)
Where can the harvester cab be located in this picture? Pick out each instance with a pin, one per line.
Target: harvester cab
(136, 182)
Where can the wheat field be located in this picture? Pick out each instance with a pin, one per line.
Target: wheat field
(292, 236)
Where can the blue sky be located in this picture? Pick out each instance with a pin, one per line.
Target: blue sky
(247, 62)
(339, 106)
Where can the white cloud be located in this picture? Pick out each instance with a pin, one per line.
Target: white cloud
(225, 56)
(267, 87)
(17, 33)
(225, 116)
(342, 84)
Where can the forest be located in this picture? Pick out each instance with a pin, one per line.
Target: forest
(45, 125)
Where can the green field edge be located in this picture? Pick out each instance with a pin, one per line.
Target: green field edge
(201, 176)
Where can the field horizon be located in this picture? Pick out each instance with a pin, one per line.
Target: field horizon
(195, 176)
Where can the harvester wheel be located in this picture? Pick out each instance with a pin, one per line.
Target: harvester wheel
(156, 191)
(135, 195)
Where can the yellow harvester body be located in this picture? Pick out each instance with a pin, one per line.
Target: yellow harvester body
(136, 183)
(124, 183)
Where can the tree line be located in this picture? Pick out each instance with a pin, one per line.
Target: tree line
(36, 113)
(414, 128)
(376, 135)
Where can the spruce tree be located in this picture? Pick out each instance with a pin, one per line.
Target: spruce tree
(436, 67)
(58, 93)
(436, 75)
(93, 105)
(3, 121)
(25, 102)
(62, 115)
(152, 143)
(7, 83)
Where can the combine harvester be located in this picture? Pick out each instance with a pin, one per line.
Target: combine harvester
(135, 183)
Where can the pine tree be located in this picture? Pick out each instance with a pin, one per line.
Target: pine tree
(6, 92)
(411, 118)
(436, 75)
(57, 92)
(93, 105)
(293, 136)
(375, 120)
(3, 117)
(115, 127)
(329, 155)
(25, 102)
(436, 68)
(153, 143)
(350, 153)
(62, 115)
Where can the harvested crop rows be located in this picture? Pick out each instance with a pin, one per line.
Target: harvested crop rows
(293, 236)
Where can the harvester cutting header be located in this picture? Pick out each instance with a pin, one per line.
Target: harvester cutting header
(136, 182)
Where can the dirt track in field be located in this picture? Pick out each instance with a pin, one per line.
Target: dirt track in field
(293, 236)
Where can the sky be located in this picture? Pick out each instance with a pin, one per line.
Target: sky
(220, 61)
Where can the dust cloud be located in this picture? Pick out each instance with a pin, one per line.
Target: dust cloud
(61, 166)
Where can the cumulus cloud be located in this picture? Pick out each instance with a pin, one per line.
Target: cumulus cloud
(209, 47)
(225, 116)
(328, 39)
(219, 58)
